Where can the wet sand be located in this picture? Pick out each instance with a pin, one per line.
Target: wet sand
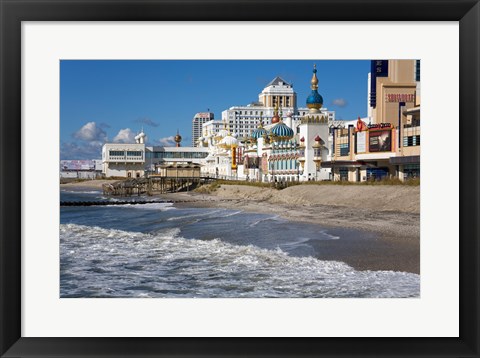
(388, 218)
(388, 240)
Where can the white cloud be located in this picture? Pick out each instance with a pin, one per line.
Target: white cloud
(124, 136)
(91, 133)
(167, 141)
(340, 102)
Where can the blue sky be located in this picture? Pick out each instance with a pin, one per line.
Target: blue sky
(104, 100)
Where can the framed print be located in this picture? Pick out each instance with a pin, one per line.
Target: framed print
(55, 296)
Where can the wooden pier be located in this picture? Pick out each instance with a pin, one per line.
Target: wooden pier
(154, 184)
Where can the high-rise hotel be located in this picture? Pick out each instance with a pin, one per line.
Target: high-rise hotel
(198, 120)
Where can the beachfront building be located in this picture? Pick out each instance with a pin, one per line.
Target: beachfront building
(279, 149)
(136, 160)
(123, 160)
(388, 146)
(80, 169)
(197, 122)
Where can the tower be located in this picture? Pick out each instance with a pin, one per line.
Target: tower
(198, 120)
(314, 131)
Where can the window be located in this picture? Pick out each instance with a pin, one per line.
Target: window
(411, 171)
(117, 153)
(136, 153)
(343, 173)
(344, 149)
(376, 173)
(411, 141)
(417, 70)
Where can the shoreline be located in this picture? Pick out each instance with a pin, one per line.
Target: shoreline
(389, 240)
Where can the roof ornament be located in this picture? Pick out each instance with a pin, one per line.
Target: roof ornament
(314, 80)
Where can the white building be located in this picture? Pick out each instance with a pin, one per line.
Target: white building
(135, 160)
(198, 120)
(123, 160)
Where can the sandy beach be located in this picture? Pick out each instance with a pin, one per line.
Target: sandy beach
(388, 217)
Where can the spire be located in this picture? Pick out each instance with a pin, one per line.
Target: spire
(275, 118)
(314, 80)
(314, 100)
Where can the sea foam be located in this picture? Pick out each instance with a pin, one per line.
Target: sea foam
(98, 262)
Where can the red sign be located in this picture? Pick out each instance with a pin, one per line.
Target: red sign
(361, 125)
(400, 97)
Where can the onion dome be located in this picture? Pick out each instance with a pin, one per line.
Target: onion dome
(222, 133)
(140, 137)
(302, 139)
(276, 117)
(228, 141)
(314, 100)
(259, 132)
(317, 138)
(282, 131)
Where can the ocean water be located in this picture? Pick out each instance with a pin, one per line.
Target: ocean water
(159, 250)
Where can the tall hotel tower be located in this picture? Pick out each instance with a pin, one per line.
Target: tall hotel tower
(199, 119)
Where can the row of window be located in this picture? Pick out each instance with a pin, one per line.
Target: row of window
(344, 149)
(121, 153)
(411, 141)
(284, 164)
(185, 155)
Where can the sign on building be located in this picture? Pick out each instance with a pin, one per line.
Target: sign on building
(361, 142)
(380, 141)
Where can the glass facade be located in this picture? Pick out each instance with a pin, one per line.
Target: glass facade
(377, 173)
(343, 173)
(411, 141)
(116, 153)
(176, 155)
(134, 153)
(344, 149)
(411, 171)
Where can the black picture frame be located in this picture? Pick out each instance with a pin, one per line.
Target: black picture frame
(13, 12)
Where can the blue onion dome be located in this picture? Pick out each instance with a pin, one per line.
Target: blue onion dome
(259, 133)
(314, 100)
(282, 131)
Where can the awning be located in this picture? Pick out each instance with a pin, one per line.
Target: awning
(412, 159)
(342, 163)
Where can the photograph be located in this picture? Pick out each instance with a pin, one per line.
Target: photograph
(240, 178)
